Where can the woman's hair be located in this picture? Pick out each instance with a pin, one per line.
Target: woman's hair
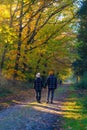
(38, 75)
(51, 72)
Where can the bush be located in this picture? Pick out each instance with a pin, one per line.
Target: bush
(82, 84)
(3, 81)
(85, 102)
(4, 92)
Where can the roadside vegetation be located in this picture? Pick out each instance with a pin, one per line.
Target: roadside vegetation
(75, 110)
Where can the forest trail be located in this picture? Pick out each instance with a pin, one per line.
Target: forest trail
(34, 116)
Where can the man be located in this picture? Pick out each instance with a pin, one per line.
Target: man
(38, 84)
(52, 85)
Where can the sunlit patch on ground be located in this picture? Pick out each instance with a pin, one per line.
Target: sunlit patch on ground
(75, 116)
(4, 105)
(17, 102)
(66, 113)
(49, 108)
(72, 110)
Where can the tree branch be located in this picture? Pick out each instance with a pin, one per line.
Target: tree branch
(53, 34)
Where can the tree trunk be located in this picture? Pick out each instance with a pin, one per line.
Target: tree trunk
(19, 42)
(3, 58)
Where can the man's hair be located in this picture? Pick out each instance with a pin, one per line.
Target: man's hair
(51, 72)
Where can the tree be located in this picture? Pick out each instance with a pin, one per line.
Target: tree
(38, 30)
(7, 35)
(80, 64)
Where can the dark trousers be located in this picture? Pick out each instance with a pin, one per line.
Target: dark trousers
(38, 95)
(50, 93)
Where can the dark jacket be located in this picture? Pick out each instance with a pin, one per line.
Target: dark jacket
(38, 84)
(51, 82)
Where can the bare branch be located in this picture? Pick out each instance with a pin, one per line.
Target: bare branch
(46, 21)
(53, 34)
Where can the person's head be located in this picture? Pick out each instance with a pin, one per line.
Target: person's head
(51, 72)
(38, 75)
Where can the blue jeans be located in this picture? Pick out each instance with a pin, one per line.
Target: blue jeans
(38, 95)
(50, 93)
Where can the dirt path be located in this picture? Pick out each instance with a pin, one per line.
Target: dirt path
(34, 116)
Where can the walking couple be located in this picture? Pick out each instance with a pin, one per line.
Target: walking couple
(51, 83)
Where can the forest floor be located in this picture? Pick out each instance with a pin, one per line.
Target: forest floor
(30, 115)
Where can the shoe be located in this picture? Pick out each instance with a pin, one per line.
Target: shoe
(51, 102)
(39, 101)
(47, 102)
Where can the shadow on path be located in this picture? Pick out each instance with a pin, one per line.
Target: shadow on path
(33, 116)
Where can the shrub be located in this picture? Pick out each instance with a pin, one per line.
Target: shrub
(85, 102)
(4, 92)
(82, 84)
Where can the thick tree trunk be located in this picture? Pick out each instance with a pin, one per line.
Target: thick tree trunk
(3, 58)
(19, 42)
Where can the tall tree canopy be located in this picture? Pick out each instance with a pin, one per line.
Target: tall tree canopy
(81, 62)
(35, 35)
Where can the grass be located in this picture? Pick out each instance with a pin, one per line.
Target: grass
(74, 113)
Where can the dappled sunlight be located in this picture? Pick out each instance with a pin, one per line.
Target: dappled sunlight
(72, 115)
(42, 107)
(42, 104)
(52, 111)
(66, 112)
(68, 109)
(35, 103)
(48, 108)
(71, 109)
(71, 105)
(17, 102)
(4, 105)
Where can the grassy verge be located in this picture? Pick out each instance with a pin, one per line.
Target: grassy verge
(74, 113)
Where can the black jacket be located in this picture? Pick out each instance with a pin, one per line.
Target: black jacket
(51, 82)
(38, 84)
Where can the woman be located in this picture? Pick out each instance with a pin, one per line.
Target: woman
(38, 85)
